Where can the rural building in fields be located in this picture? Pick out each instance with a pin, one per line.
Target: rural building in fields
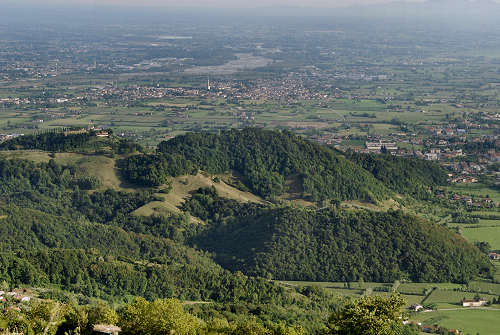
(474, 302)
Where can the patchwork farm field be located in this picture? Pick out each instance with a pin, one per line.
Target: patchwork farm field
(445, 297)
(488, 228)
(484, 231)
(470, 321)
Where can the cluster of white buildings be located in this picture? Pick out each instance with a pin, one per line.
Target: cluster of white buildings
(5, 137)
(19, 297)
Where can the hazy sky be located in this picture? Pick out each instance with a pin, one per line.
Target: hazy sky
(210, 3)
(221, 3)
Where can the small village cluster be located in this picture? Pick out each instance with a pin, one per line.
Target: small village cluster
(17, 295)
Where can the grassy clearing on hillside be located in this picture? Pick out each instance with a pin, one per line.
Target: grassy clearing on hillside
(184, 185)
(157, 207)
(380, 206)
(99, 166)
(102, 167)
(35, 156)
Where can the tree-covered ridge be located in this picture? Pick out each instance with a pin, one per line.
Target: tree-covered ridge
(94, 275)
(155, 170)
(27, 229)
(20, 176)
(403, 175)
(338, 245)
(106, 261)
(59, 229)
(90, 243)
(208, 206)
(70, 141)
(267, 159)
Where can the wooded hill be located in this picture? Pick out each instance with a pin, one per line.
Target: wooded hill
(268, 161)
(332, 244)
(55, 235)
(60, 227)
(71, 140)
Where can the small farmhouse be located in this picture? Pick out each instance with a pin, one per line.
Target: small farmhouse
(474, 302)
(416, 307)
(102, 133)
(494, 256)
(107, 329)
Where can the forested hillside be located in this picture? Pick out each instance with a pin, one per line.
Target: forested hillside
(266, 160)
(87, 242)
(93, 275)
(69, 141)
(403, 175)
(61, 229)
(333, 244)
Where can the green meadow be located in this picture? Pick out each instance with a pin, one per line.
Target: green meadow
(469, 321)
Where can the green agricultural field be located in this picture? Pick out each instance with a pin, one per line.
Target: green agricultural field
(339, 285)
(444, 296)
(484, 234)
(490, 223)
(419, 288)
(478, 189)
(368, 290)
(485, 287)
(469, 321)
(451, 299)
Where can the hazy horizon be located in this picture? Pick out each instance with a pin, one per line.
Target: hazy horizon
(211, 3)
(470, 14)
